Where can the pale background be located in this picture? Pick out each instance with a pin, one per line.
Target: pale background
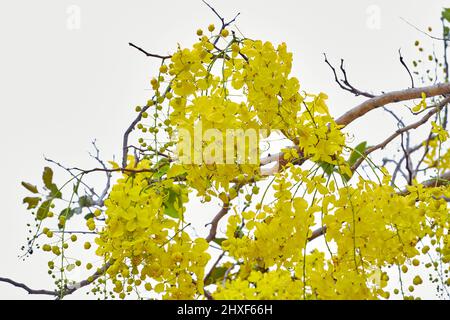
(63, 84)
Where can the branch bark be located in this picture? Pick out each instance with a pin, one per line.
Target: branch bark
(400, 131)
(66, 291)
(391, 97)
(28, 289)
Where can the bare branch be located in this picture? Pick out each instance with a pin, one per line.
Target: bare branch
(148, 54)
(66, 291)
(69, 170)
(410, 151)
(101, 197)
(421, 31)
(214, 266)
(390, 97)
(72, 288)
(222, 20)
(224, 24)
(27, 288)
(406, 67)
(414, 125)
(344, 83)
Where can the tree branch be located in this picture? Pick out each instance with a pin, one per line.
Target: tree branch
(66, 291)
(215, 222)
(148, 54)
(72, 288)
(344, 83)
(391, 97)
(400, 131)
(27, 288)
(406, 67)
(363, 108)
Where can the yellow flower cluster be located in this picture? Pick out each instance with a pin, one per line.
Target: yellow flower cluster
(143, 236)
(274, 235)
(366, 230)
(270, 91)
(146, 246)
(262, 97)
(273, 285)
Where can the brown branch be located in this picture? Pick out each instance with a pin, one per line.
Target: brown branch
(390, 97)
(148, 54)
(317, 233)
(362, 109)
(344, 84)
(71, 289)
(87, 171)
(66, 291)
(400, 131)
(402, 61)
(215, 222)
(222, 20)
(439, 181)
(28, 289)
(214, 266)
(127, 134)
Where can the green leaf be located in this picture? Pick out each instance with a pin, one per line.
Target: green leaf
(43, 210)
(54, 191)
(161, 171)
(446, 14)
(75, 188)
(32, 202)
(169, 205)
(357, 153)
(218, 273)
(446, 31)
(89, 216)
(70, 267)
(47, 177)
(219, 241)
(176, 170)
(327, 168)
(85, 201)
(67, 213)
(30, 187)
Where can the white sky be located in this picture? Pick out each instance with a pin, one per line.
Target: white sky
(61, 88)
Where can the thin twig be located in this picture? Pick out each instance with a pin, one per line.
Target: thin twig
(406, 67)
(344, 83)
(148, 54)
(421, 31)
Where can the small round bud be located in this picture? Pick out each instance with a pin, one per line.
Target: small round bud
(163, 68)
